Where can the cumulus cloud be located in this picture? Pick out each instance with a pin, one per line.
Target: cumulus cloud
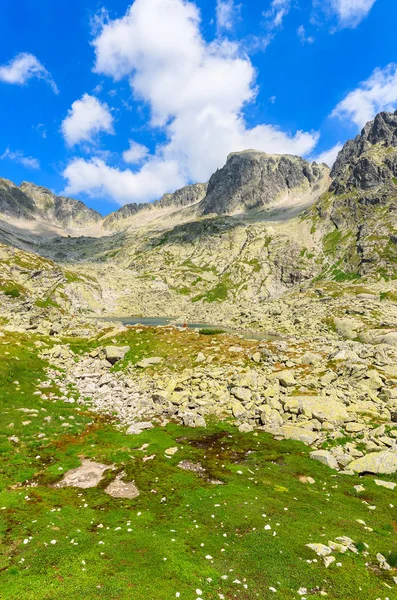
(19, 157)
(86, 118)
(227, 12)
(135, 153)
(196, 92)
(329, 156)
(23, 67)
(377, 93)
(95, 177)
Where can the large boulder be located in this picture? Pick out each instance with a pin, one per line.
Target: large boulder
(325, 457)
(292, 432)
(115, 353)
(376, 462)
(322, 408)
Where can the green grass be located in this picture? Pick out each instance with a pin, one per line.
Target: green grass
(211, 331)
(219, 293)
(115, 549)
(13, 293)
(46, 303)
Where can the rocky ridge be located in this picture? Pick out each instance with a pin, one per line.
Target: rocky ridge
(254, 180)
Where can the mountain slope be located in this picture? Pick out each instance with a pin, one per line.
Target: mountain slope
(357, 217)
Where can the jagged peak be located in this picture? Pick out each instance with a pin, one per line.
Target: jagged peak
(369, 160)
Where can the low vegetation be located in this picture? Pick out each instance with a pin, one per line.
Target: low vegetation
(183, 536)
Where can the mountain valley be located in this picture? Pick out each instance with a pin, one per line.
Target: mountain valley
(205, 437)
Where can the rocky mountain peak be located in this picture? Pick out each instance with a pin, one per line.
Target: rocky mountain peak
(189, 194)
(57, 210)
(254, 180)
(370, 160)
(13, 201)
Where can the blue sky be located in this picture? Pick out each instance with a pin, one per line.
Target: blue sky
(120, 102)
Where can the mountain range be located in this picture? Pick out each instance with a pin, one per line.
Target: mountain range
(262, 225)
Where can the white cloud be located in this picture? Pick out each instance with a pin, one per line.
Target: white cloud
(135, 153)
(19, 157)
(350, 13)
(41, 130)
(23, 67)
(377, 93)
(277, 11)
(304, 38)
(227, 12)
(196, 92)
(85, 120)
(95, 177)
(329, 156)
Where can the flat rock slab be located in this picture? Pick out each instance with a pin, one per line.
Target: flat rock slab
(122, 489)
(88, 475)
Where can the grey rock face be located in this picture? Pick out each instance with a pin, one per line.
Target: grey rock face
(183, 197)
(66, 212)
(369, 160)
(14, 202)
(252, 180)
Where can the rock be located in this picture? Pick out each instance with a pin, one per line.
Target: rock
(88, 475)
(170, 451)
(149, 362)
(376, 462)
(354, 427)
(270, 417)
(115, 353)
(122, 489)
(286, 378)
(137, 428)
(328, 560)
(193, 420)
(348, 542)
(386, 484)
(326, 458)
(241, 393)
(337, 547)
(320, 549)
(200, 357)
(310, 358)
(300, 434)
(245, 428)
(373, 380)
(238, 409)
(323, 409)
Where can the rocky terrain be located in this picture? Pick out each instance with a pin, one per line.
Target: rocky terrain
(293, 266)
